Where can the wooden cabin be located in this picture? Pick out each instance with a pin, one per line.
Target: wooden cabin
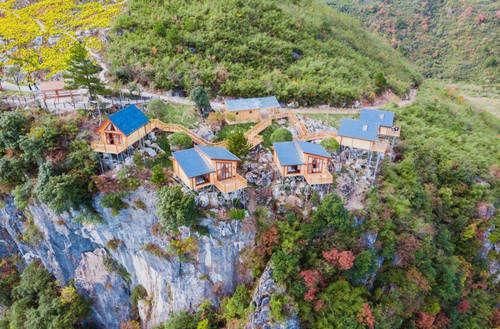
(203, 166)
(120, 130)
(385, 120)
(305, 159)
(365, 133)
(251, 109)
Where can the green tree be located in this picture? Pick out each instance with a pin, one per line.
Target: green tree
(200, 97)
(14, 124)
(82, 72)
(330, 144)
(236, 306)
(237, 144)
(157, 175)
(342, 304)
(175, 208)
(281, 135)
(39, 303)
(180, 140)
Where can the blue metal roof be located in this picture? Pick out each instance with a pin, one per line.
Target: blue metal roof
(314, 149)
(218, 153)
(358, 129)
(128, 119)
(382, 117)
(259, 103)
(288, 154)
(192, 163)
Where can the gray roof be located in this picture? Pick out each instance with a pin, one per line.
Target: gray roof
(258, 103)
(382, 117)
(358, 129)
(292, 153)
(288, 154)
(218, 153)
(192, 163)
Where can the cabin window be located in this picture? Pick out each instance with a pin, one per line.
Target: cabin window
(315, 166)
(224, 170)
(199, 180)
(293, 169)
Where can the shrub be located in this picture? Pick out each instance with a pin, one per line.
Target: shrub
(156, 250)
(158, 176)
(236, 306)
(112, 265)
(175, 208)
(330, 144)
(184, 248)
(237, 214)
(238, 144)
(89, 216)
(114, 243)
(164, 143)
(138, 293)
(32, 234)
(22, 194)
(277, 304)
(114, 201)
(180, 140)
(281, 135)
(200, 97)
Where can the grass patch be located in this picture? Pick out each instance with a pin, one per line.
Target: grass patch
(185, 115)
(114, 243)
(229, 129)
(266, 134)
(32, 234)
(329, 119)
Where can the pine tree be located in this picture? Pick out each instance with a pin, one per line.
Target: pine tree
(83, 72)
(200, 98)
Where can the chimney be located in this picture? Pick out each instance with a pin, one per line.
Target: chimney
(365, 127)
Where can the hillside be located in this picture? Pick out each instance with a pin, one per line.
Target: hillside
(300, 51)
(446, 39)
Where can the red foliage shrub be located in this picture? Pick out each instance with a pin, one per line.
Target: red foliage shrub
(365, 316)
(267, 240)
(424, 321)
(481, 18)
(407, 247)
(441, 321)
(344, 260)
(495, 318)
(319, 304)
(463, 306)
(312, 280)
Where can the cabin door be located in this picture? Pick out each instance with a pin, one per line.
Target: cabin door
(264, 114)
(224, 170)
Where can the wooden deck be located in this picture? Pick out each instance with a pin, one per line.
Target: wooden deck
(319, 178)
(232, 184)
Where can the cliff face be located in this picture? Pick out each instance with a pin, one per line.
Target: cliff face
(107, 272)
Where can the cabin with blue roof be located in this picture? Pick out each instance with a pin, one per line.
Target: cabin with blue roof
(121, 129)
(385, 120)
(299, 158)
(365, 133)
(203, 166)
(251, 109)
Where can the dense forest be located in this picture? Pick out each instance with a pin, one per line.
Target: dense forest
(446, 39)
(298, 50)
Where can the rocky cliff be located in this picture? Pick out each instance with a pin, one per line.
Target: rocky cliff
(106, 261)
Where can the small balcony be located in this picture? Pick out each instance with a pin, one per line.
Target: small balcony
(232, 184)
(319, 178)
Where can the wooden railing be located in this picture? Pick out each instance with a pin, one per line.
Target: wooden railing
(232, 184)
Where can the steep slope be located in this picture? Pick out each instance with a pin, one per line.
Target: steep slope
(299, 50)
(447, 39)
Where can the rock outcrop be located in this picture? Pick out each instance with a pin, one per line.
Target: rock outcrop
(106, 261)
